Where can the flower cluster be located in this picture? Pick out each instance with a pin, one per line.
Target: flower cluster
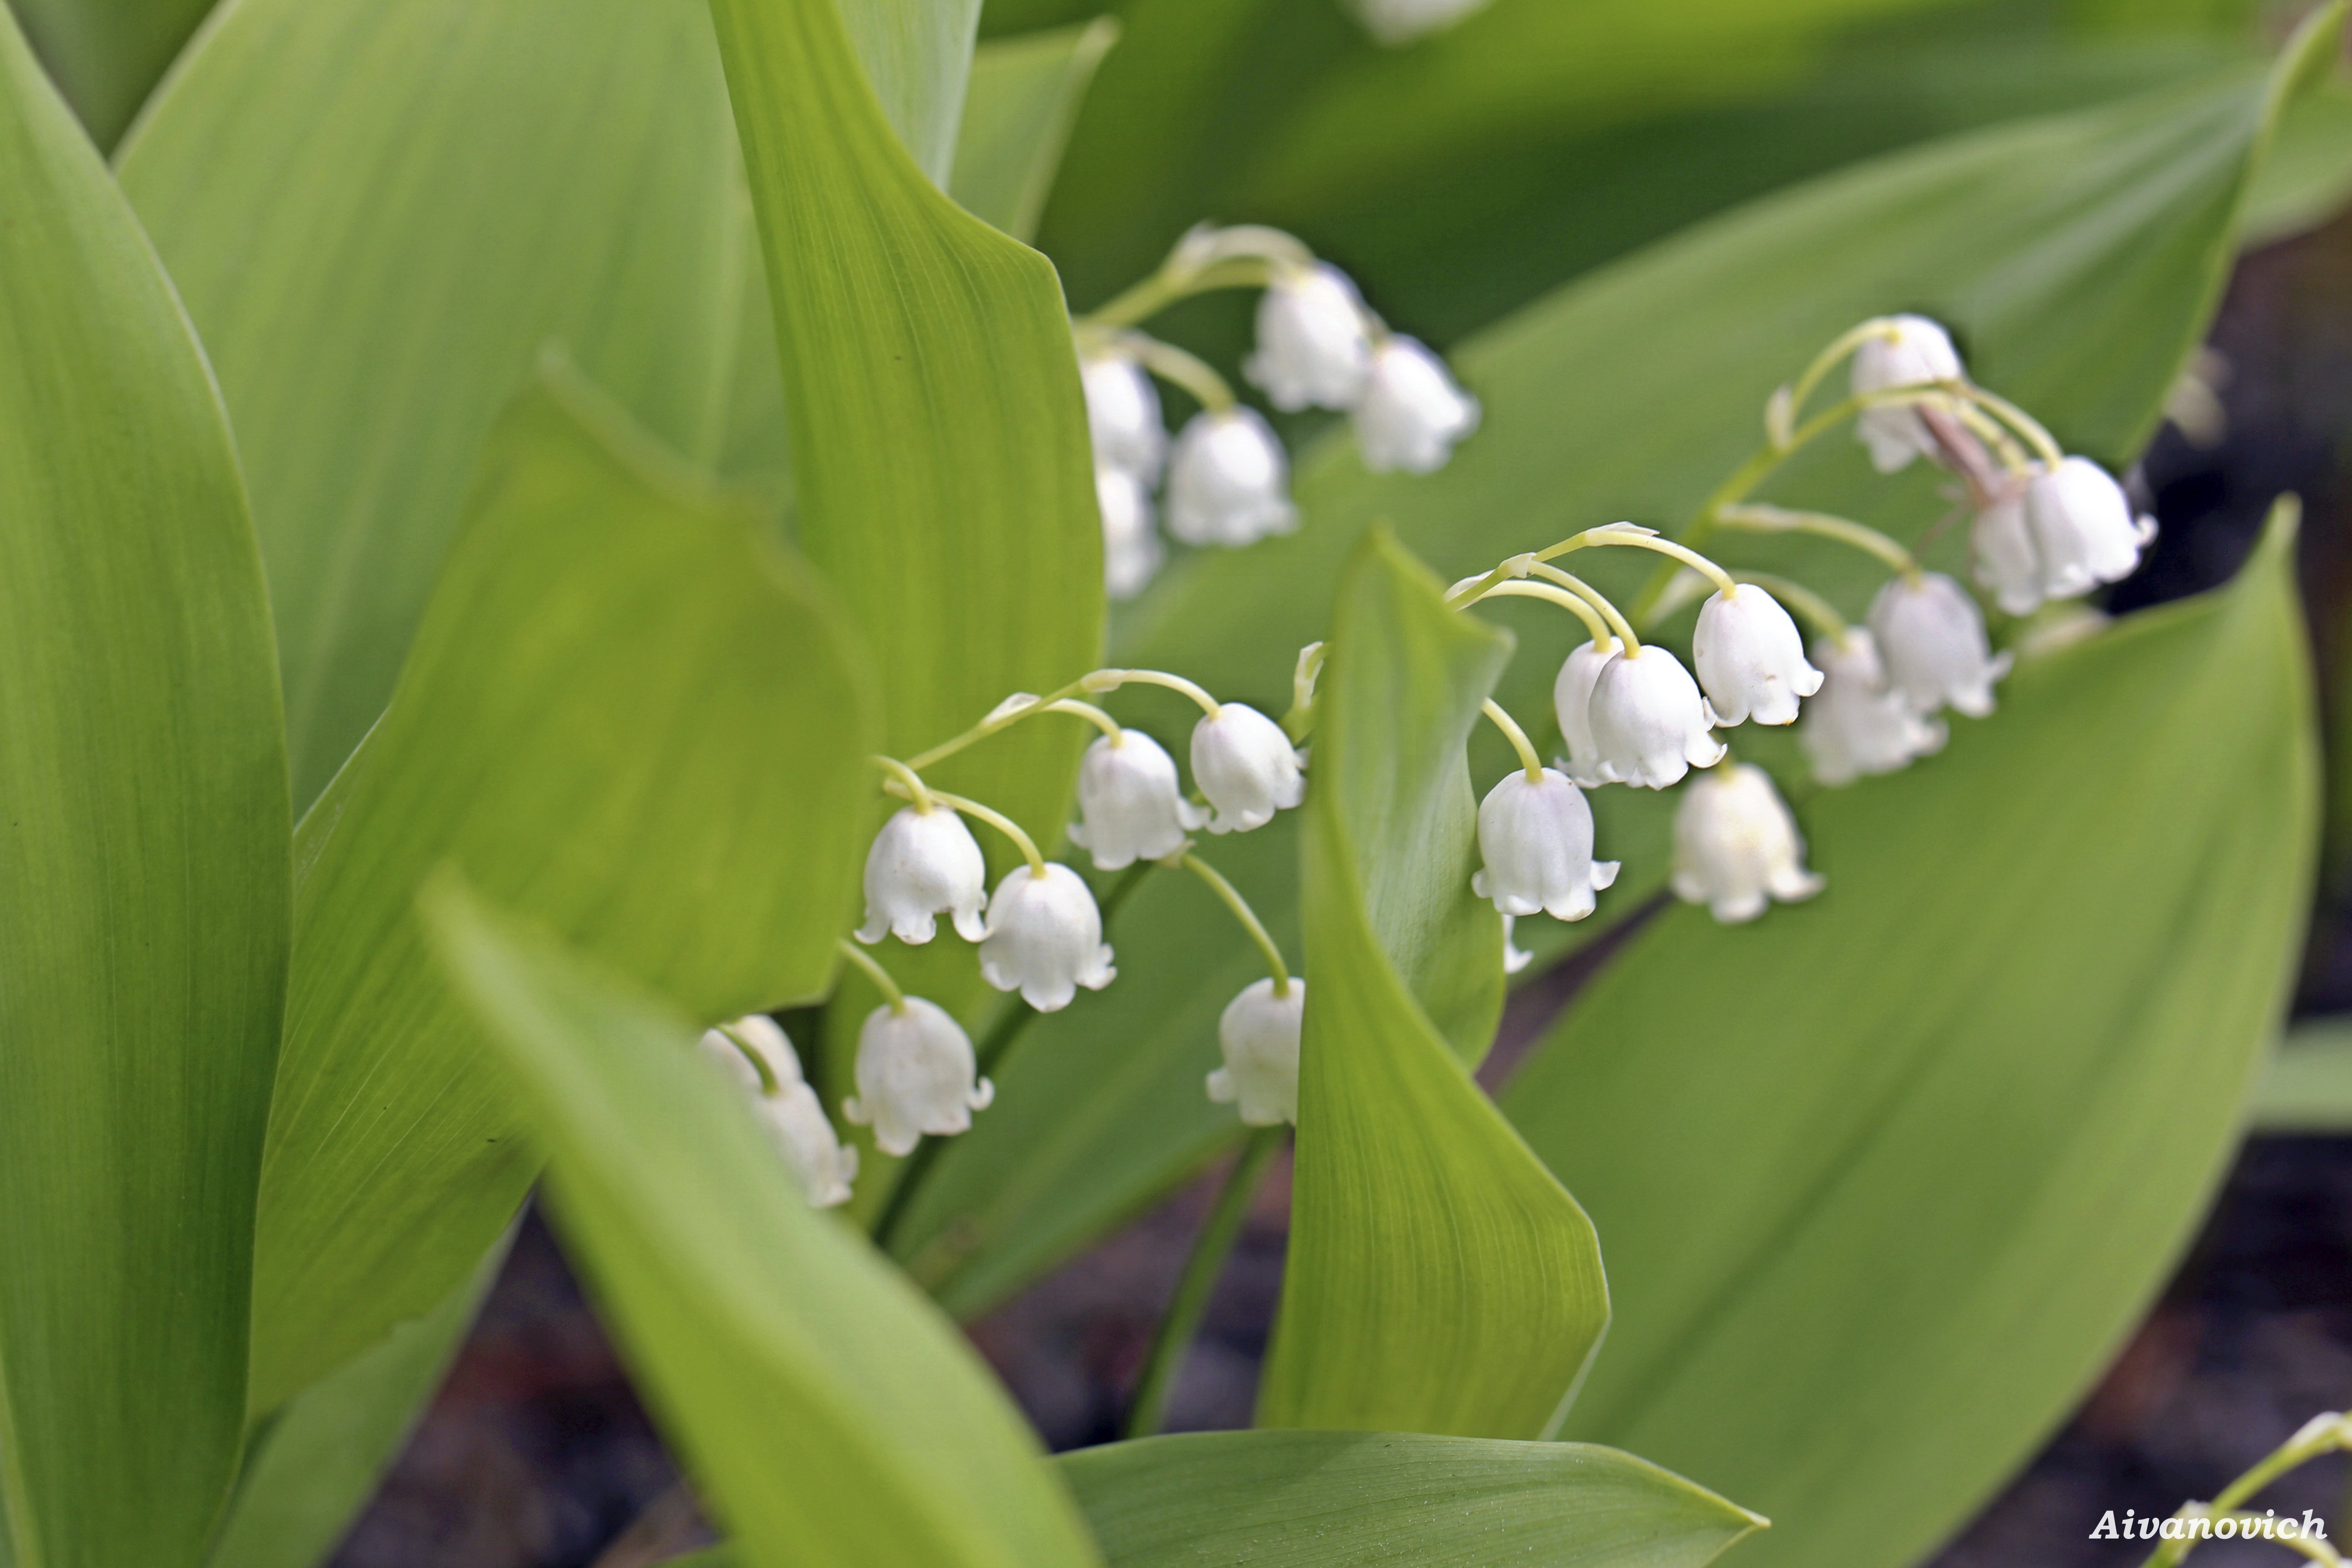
(1227, 476)
(2048, 526)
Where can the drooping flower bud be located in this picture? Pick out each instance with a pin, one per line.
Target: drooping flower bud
(2083, 530)
(1736, 846)
(1123, 414)
(1131, 553)
(1931, 636)
(915, 1074)
(924, 862)
(1750, 657)
(1246, 768)
(1536, 838)
(2007, 565)
(1914, 352)
(795, 1123)
(1395, 23)
(1044, 938)
(1132, 805)
(1314, 344)
(1259, 1033)
(1412, 413)
(1649, 722)
(1572, 704)
(1857, 725)
(1229, 482)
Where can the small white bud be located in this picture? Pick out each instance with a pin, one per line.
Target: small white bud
(1246, 768)
(1131, 802)
(1259, 1035)
(1514, 957)
(1572, 704)
(1536, 838)
(1649, 725)
(1395, 23)
(1857, 725)
(2083, 530)
(1230, 481)
(1314, 345)
(1750, 657)
(1131, 552)
(2007, 565)
(1736, 846)
(1123, 414)
(1412, 413)
(1044, 938)
(1914, 352)
(1932, 637)
(924, 862)
(790, 1115)
(915, 1074)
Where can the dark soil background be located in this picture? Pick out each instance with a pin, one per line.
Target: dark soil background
(537, 1454)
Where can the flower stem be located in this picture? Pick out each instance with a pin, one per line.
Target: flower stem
(1779, 519)
(1594, 621)
(1622, 628)
(999, 821)
(1244, 913)
(1198, 1282)
(896, 998)
(2322, 1434)
(759, 1063)
(1112, 679)
(909, 783)
(1518, 737)
(1175, 366)
(1830, 358)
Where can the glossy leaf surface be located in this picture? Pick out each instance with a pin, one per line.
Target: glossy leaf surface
(143, 876)
(1024, 98)
(2056, 947)
(1439, 1279)
(834, 1418)
(629, 713)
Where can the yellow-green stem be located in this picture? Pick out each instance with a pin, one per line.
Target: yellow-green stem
(909, 783)
(1518, 737)
(999, 821)
(1244, 913)
(1594, 621)
(891, 994)
(1824, 525)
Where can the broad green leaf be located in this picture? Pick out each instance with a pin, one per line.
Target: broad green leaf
(143, 876)
(2307, 1085)
(378, 211)
(918, 60)
(628, 713)
(2307, 177)
(941, 465)
(105, 55)
(1439, 1279)
(834, 1418)
(1319, 1500)
(2079, 258)
(314, 1465)
(1024, 98)
(1884, 1158)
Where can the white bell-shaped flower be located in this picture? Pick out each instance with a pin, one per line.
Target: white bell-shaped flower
(789, 1113)
(2007, 565)
(1572, 704)
(1858, 725)
(1514, 957)
(924, 862)
(1259, 1033)
(1412, 413)
(1395, 23)
(1314, 345)
(2083, 529)
(1536, 837)
(1131, 804)
(1650, 724)
(1246, 768)
(915, 1074)
(1229, 482)
(1914, 352)
(1931, 636)
(1123, 414)
(1736, 846)
(1131, 552)
(1044, 938)
(1751, 658)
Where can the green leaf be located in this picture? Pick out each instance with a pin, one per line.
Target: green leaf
(315, 1464)
(835, 1418)
(1025, 99)
(2307, 178)
(2308, 1086)
(374, 267)
(918, 60)
(1317, 1500)
(1912, 1158)
(1439, 1279)
(2078, 256)
(105, 55)
(143, 857)
(630, 714)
